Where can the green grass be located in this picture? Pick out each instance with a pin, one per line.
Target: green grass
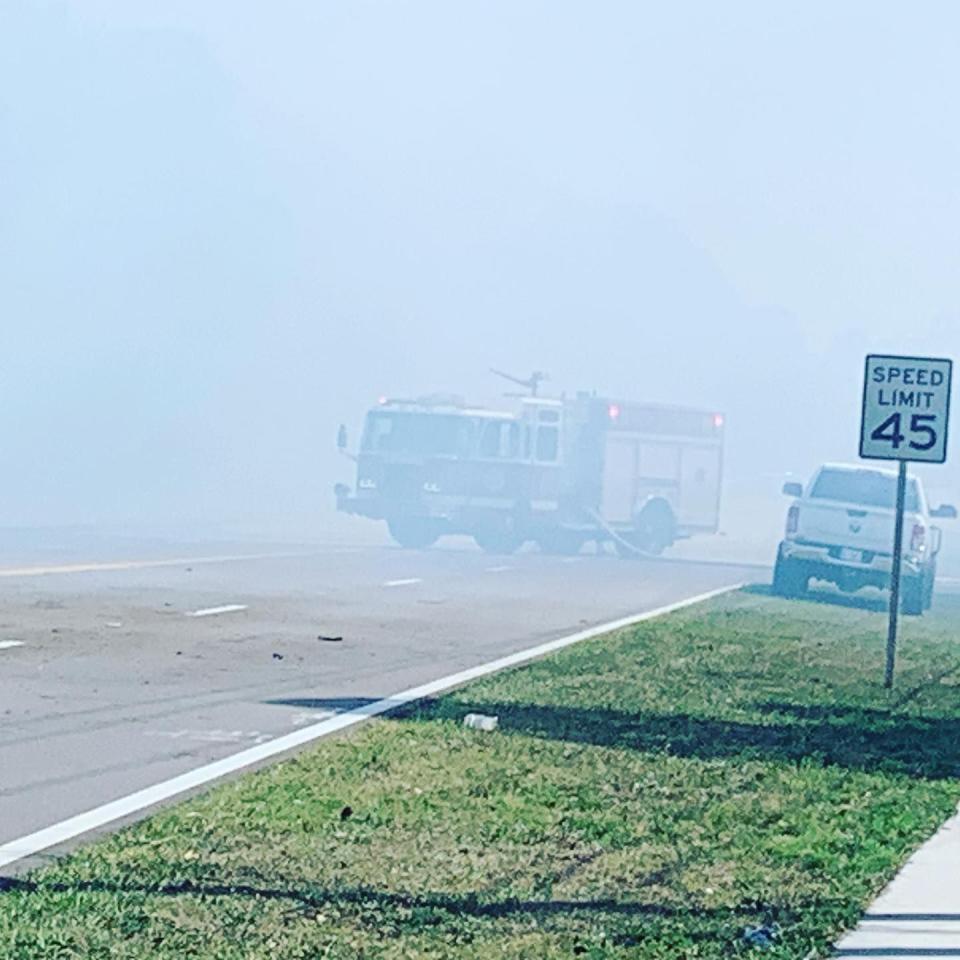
(649, 794)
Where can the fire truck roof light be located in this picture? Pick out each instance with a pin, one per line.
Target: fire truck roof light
(613, 411)
(382, 401)
(718, 420)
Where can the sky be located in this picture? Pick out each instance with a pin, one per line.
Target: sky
(227, 227)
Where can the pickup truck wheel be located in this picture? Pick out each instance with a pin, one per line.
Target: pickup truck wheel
(914, 592)
(929, 585)
(790, 578)
(414, 533)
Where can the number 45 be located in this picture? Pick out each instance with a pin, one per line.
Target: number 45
(891, 431)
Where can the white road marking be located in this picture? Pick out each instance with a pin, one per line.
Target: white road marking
(403, 583)
(214, 611)
(82, 823)
(10, 644)
(140, 564)
(498, 569)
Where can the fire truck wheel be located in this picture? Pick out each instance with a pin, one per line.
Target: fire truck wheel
(413, 533)
(500, 536)
(653, 529)
(564, 543)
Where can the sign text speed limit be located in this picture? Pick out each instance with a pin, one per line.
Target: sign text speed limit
(906, 407)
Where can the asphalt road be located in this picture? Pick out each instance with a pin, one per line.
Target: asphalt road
(109, 682)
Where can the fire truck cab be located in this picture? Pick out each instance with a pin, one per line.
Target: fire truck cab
(557, 472)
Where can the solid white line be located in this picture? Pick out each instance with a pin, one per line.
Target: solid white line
(82, 823)
(138, 564)
(213, 611)
(403, 583)
(10, 644)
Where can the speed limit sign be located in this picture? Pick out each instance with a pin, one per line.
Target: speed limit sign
(906, 409)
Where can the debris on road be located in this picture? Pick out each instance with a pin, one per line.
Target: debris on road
(278, 656)
(320, 636)
(764, 936)
(480, 721)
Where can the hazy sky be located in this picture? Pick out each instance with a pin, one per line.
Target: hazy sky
(226, 227)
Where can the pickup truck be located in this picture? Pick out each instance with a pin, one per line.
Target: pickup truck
(840, 529)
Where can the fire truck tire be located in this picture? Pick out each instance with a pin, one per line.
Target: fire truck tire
(499, 536)
(653, 528)
(413, 533)
(563, 543)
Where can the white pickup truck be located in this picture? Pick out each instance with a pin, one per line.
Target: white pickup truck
(840, 529)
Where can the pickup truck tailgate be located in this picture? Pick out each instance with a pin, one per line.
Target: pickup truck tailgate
(847, 525)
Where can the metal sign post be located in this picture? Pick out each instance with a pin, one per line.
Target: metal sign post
(895, 577)
(906, 415)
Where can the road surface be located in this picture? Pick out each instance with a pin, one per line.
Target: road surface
(119, 673)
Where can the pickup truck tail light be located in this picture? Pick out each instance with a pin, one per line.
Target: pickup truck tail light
(918, 539)
(793, 520)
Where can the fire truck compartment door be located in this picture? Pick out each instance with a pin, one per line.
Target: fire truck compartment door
(619, 479)
(699, 487)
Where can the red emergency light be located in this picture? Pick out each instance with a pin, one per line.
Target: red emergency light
(613, 411)
(718, 420)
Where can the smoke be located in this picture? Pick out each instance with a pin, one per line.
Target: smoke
(225, 231)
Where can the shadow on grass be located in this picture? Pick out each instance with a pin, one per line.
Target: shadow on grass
(856, 738)
(376, 908)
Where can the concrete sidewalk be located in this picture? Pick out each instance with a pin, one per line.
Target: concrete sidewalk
(918, 915)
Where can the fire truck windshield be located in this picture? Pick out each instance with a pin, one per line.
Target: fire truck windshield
(419, 434)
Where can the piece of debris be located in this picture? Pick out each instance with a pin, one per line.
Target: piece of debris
(320, 636)
(480, 721)
(278, 656)
(115, 624)
(764, 936)
(346, 813)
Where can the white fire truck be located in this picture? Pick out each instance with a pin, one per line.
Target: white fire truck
(557, 472)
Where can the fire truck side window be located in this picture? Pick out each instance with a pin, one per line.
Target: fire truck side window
(548, 444)
(500, 440)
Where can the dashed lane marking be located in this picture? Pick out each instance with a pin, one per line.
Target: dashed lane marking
(10, 644)
(404, 583)
(214, 611)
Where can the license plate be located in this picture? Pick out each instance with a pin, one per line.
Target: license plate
(851, 556)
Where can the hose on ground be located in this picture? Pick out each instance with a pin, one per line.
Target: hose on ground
(626, 544)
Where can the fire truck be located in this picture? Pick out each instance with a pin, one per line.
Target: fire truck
(558, 472)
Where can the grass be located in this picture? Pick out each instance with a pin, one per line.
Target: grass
(648, 795)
